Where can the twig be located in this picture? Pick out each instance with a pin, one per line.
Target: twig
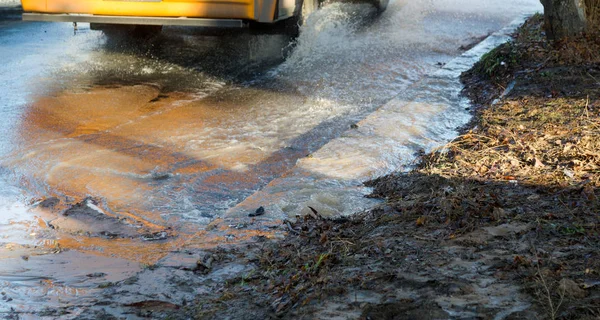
(424, 239)
(289, 225)
(591, 76)
(548, 295)
(587, 104)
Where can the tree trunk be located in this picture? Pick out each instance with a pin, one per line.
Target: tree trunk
(564, 18)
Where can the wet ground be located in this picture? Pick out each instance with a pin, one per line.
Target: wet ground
(116, 151)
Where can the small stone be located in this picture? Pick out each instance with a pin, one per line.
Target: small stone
(95, 275)
(259, 212)
(161, 235)
(130, 280)
(49, 203)
(205, 264)
(571, 288)
(498, 213)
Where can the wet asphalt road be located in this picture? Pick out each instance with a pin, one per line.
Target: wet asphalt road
(186, 125)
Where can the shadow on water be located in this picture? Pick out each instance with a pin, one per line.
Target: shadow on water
(229, 55)
(235, 56)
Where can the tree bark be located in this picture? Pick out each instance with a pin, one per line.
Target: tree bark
(564, 18)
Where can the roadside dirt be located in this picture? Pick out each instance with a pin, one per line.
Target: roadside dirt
(501, 223)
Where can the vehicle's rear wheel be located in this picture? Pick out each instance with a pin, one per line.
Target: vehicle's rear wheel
(381, 5)
(289, 26)
(303, 10)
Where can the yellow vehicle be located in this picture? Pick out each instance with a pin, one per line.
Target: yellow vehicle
(203, 13)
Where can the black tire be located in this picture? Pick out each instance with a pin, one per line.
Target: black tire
(289, 26)
(382, 5)
(303, 10)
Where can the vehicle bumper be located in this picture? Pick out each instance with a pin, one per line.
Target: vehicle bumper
(251, 10)
(182, 21)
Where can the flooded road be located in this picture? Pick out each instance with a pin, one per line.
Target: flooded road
(123, 150)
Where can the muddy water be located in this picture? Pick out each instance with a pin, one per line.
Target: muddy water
(166, 135)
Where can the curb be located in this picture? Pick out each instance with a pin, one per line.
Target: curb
(331, 180)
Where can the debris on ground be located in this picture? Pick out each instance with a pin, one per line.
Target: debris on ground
(501, 223)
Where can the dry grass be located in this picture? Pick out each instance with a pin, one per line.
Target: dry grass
(548, 132)
(593, 12)
(532, 140)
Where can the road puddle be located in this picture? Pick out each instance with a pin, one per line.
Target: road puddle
(123, 155)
